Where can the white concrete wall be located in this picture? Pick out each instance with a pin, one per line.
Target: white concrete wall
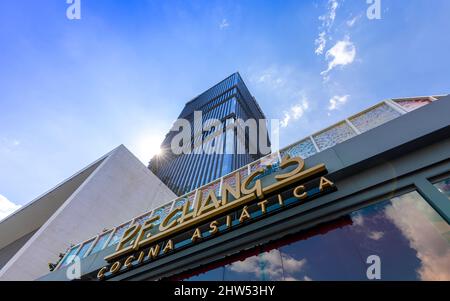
(118, 190)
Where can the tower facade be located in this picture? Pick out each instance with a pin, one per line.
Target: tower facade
(229, 102)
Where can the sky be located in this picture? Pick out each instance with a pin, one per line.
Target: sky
(72, 90)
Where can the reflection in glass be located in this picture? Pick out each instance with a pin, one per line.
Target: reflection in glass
(86, 246)
(69, 256)
(410, 237)
(444, 187)
(211, 275)
(101, 242)
(118, 234)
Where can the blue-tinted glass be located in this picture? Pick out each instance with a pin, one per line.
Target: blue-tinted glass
(444, 187)
(266, 266)
(69, 256)
(118, 234)
(212, 275)
(100, 242)
(409, 237)
(86, 246)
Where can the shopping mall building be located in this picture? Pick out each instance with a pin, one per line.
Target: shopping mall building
(373, 188)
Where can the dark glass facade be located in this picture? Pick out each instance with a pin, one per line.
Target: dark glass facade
(405, 232)
(227, 101)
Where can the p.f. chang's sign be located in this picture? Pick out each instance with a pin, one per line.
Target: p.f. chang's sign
(249, 199)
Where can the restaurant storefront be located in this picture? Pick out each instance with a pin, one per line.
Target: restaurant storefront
(381, 197)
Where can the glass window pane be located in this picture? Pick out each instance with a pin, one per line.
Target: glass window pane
(212, 275)
(118, 234)
(100, 242)
(86, 246)
(406, 233)
(266, 266)
(68, 259)
(444, 187)
(411, 239)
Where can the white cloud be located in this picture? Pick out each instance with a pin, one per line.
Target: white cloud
(320, 43)
(271, 78)
(273, 267)
(330, 16)
(425, 233)
(326, 25)
(224, 24)
(358, 219)
(284, 123)
(295, 112)
(352, 21)
(283, 84)
(7, 207)
(341, 54)
(376, 235)
(337, 101)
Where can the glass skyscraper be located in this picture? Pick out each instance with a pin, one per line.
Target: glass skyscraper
(227, 101)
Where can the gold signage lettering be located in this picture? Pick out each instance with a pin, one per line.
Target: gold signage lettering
(212, 206)
(300, 193)
(127, 236)
(141, 257)
(197, 235)
(325, 183)
(186, 215)
(228, 221)
(214, 227)
(115, 267)
(168, 247)
(288, 161)
(244, 215)
(146, 227)
(226, 188)
(263, 206)
(101, 273)
(257, 187)
(209, 204)
(153, 252)
(280, 200)
(163, 226)
(128, 261)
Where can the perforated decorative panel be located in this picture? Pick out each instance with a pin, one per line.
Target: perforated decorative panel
(162, 212)
(334, 135)
(230, 180)
(413, 104)
(182, 200)
(375, 117)
(118, 234)
(244, 173)
(215, 186)
(100, 244)
(303, 149)
(141, 219)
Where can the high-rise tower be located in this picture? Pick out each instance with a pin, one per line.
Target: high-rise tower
(227, 101)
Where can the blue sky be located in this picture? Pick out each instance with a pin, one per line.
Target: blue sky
(72, 90)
